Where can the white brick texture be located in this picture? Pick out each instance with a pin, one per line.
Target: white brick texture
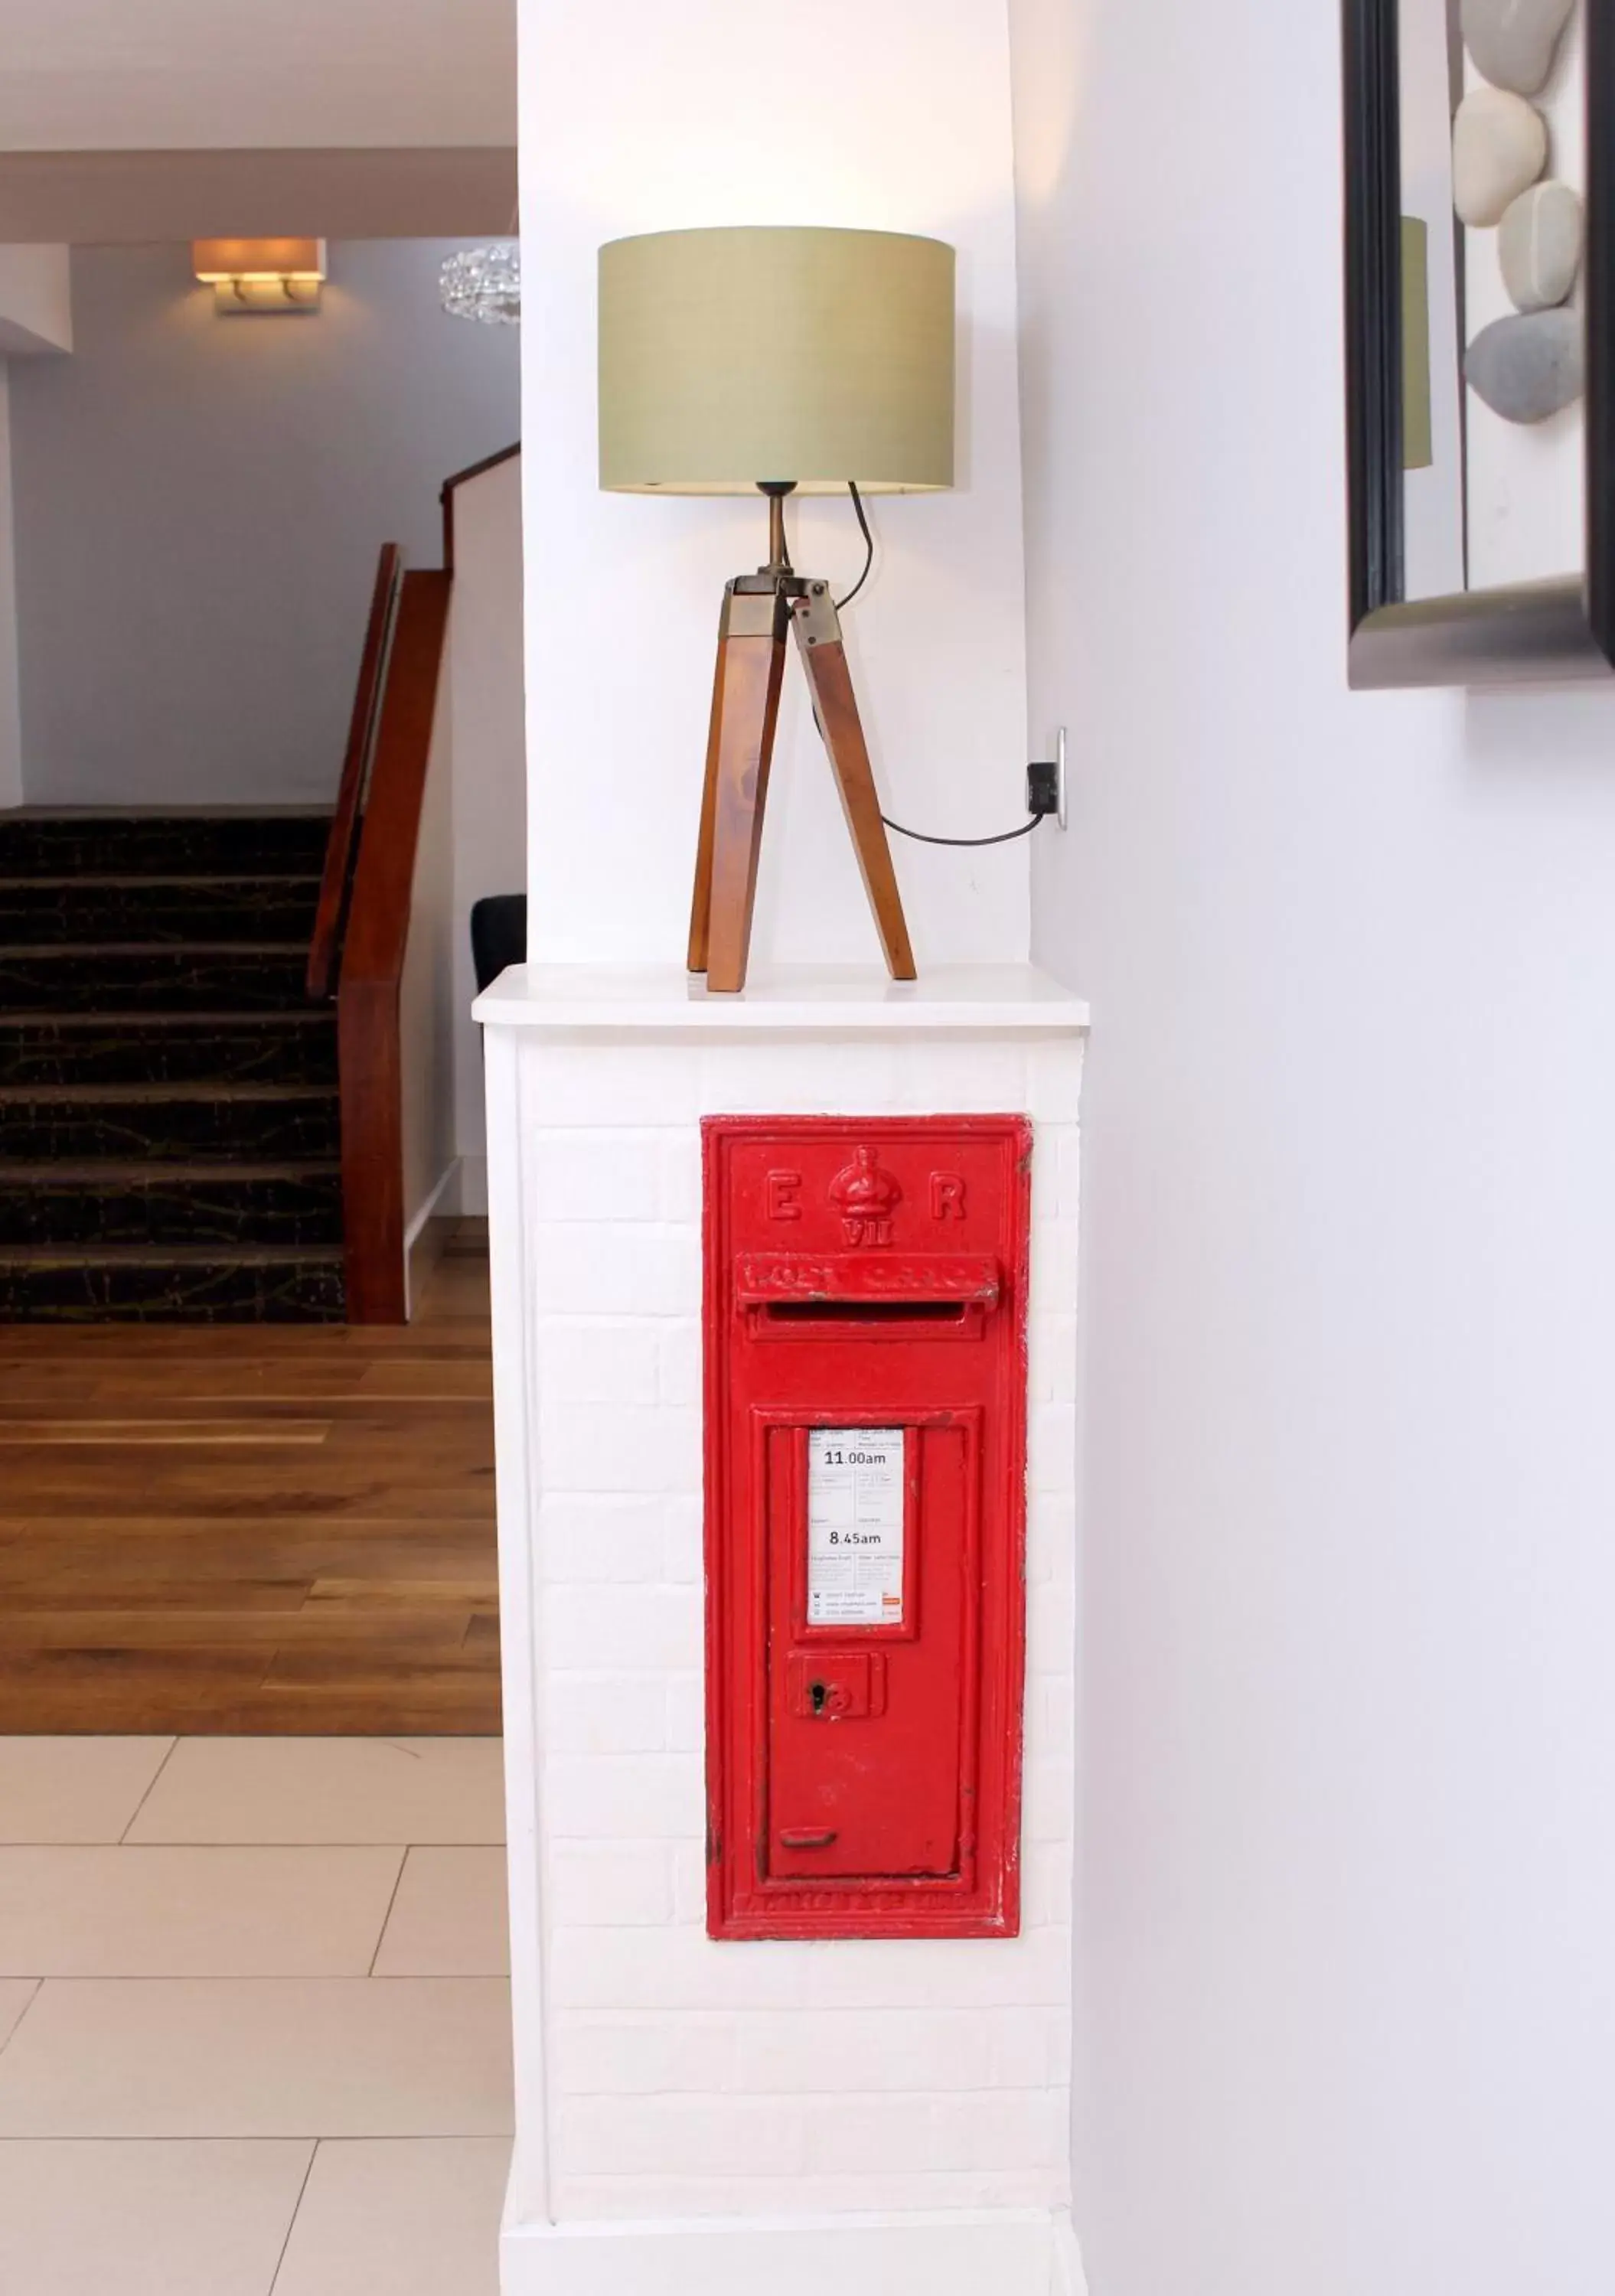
(684, 2078)
(593, 1882)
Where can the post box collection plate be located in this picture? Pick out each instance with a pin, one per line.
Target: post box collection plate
(864, 1312)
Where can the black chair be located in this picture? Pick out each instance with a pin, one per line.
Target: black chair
(499, 935)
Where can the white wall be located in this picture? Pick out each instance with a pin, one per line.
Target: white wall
(485, 697)
(99, 76)
(428, 1007)
(200, 502)
(639, 117)
(35, 316)
(1347, 1872)
(36, 300)
(130, 199)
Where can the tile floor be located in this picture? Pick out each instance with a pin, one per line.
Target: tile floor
(254, 2016)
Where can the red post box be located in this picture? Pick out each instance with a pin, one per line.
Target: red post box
(866, 1398)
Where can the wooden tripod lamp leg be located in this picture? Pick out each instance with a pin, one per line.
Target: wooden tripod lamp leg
(818, 639)
(739, 752)
(701, 898)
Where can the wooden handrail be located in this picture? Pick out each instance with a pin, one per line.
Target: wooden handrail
(450, 488)
(362, 930)
(341, 847)
(368, 1048)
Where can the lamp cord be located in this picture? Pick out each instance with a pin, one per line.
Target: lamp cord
(858, 505)
(920, 836)
(1005, 836)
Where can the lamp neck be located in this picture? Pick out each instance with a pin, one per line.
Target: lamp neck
(779, 553)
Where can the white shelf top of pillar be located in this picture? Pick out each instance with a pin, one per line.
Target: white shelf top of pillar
(1002, 999)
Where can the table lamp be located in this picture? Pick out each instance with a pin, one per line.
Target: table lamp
(781, 360)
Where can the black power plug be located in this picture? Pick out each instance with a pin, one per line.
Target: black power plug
(1043, 787)
(1045, 783)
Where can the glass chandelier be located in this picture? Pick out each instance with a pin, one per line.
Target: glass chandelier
(484, 283)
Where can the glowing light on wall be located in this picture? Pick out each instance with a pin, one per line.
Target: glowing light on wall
(261, 275)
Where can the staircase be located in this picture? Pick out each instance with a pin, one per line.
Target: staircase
(168, 1110)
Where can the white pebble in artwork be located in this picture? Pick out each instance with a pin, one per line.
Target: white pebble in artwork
(1539, 246)
(1512, 41)
(1529, 366)
(1499, 149)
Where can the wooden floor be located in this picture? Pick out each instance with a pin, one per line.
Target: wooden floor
(252, 1528)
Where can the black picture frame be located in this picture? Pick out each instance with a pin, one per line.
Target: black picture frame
(1543, 631)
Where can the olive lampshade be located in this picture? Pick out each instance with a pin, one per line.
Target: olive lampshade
(755, 353)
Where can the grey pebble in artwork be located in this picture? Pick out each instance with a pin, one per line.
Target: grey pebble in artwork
(1512, 41)
(1539, 246)
(1529, 366)
(1499, 149)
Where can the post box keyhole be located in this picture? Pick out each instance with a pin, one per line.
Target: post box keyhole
(818, 1694)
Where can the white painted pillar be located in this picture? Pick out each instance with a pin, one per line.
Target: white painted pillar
(872, 2115)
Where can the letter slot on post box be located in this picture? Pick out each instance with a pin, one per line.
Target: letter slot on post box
(866, 1400)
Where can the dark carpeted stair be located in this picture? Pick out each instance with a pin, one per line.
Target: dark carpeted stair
(65, 912)
(53, 1048)
(168, 1110)
(161, 976)
(95, 843)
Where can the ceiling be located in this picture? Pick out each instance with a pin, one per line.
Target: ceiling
(90, 76)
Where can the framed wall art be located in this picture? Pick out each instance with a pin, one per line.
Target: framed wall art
(1481, 371)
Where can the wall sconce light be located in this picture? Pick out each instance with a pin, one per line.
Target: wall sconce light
(261, 274)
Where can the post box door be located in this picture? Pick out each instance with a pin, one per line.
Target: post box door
(872, 1656)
